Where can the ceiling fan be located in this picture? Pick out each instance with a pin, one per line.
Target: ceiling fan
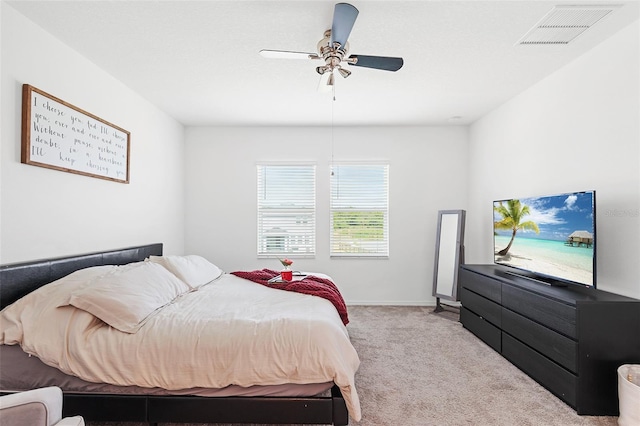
(334, 50)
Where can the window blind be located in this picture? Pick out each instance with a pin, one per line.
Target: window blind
(359, 210)
(286, 209)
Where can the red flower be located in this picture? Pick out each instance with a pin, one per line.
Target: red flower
(286, 262)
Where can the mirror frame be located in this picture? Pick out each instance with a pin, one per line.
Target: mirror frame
(449, 254)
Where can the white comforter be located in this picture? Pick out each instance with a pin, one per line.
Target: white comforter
(231, 331)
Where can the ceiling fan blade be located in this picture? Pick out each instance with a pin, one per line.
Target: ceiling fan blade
(378, 62)
(344, 16)
(286, 54)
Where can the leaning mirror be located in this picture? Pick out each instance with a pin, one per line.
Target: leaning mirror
(449, 255)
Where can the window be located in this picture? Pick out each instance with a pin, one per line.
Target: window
(286, 209)
(360, 210)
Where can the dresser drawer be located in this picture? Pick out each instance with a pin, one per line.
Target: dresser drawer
(481, 306)
(486, 331)
(549, 374)
(559, 348)
(541, 309)
(480, 284)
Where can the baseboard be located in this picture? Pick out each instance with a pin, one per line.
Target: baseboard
(390, 303)
(428, 304)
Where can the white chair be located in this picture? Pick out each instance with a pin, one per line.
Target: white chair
(38, 407)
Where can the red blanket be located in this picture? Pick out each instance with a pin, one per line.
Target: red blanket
(312, 285)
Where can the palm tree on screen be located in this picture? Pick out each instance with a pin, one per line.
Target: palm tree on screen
(512, 214)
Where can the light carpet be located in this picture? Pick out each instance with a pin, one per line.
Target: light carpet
(420, 368)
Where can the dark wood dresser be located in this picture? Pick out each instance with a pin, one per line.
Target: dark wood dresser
(570, 339)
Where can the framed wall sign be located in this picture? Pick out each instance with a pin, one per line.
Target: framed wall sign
(60, 136)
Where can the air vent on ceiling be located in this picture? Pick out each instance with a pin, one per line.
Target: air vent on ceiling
(564, 23)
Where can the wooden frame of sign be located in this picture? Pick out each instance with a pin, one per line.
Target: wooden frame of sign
(60, 136)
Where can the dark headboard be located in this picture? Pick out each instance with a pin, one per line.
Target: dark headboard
(19, 279)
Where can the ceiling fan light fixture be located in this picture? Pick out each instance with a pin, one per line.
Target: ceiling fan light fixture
(343, 72)
(326, 83)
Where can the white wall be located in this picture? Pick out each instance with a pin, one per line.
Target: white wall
(427, 173)
(1, 97)
(46, 212)
(587, 113)
(578, 129)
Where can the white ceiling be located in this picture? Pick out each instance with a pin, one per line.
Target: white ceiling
(198, 60)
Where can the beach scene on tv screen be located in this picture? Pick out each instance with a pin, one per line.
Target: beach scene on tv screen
(553, 236)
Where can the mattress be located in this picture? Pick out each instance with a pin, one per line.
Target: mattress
(20, 371)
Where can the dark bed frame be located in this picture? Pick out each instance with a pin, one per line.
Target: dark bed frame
(19, 279)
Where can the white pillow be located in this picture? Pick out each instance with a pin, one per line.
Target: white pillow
(127, 297)
(192, 269)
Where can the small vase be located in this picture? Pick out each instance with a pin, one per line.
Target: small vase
(286, 274)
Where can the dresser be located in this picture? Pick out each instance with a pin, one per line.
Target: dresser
(569, 339)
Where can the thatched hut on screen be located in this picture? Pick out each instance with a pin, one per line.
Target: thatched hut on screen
(580, 238)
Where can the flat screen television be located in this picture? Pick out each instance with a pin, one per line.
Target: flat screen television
(551, 238)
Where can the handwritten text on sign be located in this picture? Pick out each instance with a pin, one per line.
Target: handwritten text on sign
(63, 137)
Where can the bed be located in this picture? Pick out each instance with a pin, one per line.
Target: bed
(321, 398)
